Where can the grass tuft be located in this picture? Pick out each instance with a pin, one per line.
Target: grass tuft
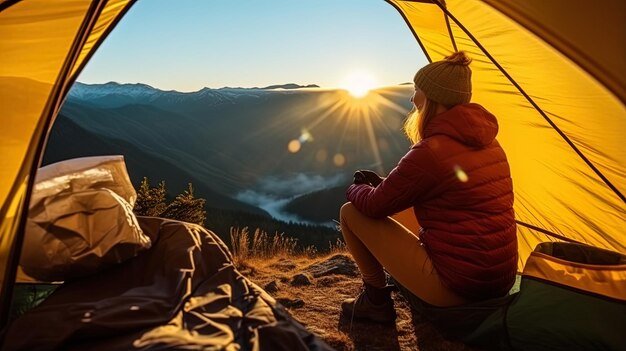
(260, 245)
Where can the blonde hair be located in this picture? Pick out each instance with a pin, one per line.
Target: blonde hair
(417, 120)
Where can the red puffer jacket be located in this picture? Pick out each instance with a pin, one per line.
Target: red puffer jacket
(458, 181)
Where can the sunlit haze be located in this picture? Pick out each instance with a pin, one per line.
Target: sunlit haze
(192, 44)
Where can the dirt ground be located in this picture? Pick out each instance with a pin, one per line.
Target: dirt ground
(316, 305)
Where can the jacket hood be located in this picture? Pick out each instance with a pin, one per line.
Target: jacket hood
(470, 124)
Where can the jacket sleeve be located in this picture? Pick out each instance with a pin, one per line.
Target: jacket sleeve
(414, 175)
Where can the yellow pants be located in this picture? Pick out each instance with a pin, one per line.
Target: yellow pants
(391, 243)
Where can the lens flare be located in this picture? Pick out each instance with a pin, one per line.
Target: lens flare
(305, 136)
(460, 174)
(294, 146)
(339, 160)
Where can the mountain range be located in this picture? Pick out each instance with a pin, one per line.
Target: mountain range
(250, 149)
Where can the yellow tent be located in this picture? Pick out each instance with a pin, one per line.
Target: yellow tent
(552, 71)
(44, 45)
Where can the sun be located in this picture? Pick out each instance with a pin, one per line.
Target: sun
(358, 83)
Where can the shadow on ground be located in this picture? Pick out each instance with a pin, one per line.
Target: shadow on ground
(369, 336)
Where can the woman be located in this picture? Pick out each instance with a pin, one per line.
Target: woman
(456, 182)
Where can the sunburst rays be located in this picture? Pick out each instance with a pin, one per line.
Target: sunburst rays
(325, 129)
(349, 113)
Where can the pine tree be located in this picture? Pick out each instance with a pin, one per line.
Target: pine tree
(150, 201)
(186, 207)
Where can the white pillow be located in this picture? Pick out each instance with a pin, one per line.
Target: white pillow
(80, 219)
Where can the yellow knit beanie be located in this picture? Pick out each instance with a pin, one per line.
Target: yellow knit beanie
(448, 82)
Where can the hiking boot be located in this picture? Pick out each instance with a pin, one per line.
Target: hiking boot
(363, 307)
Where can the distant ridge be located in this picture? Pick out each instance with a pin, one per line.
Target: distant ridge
(290, 86)
(113, 87)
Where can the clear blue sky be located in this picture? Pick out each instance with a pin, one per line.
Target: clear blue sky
(186, 45)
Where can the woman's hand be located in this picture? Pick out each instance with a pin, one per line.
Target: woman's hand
(367, 177)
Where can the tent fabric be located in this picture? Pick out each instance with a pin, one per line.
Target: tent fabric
(554, 312)
(546, 316)
(183, 293)
(43, 44)
(594, 270)
(558, 22)
(561, 128)
(548, 312)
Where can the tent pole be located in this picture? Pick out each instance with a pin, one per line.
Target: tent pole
(547, 232)
(445, 15)
(450, 33)
(8, 3)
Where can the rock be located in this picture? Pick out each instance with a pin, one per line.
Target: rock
(284, 265)
(290, 303)
(337, 264)
(271, 287)
(328, 281)
(301, 279)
